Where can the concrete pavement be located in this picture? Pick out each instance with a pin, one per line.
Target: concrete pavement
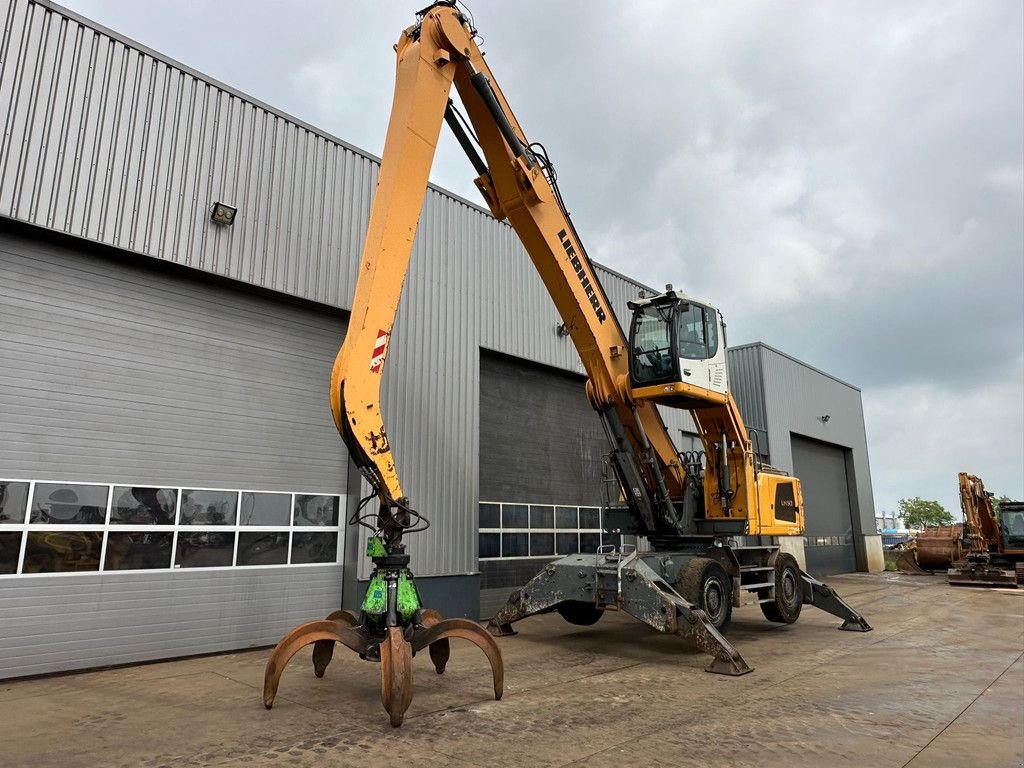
(940, 682)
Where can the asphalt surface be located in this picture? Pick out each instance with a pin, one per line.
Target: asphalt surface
(939, 682)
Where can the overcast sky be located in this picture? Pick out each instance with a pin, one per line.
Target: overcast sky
(844, 180)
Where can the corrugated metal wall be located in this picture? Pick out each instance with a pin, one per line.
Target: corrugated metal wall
(106, 140)
(116, 372)
(67, 621)
(746, 384)
(797, 396)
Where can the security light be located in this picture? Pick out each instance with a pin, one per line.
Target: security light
(223, 214)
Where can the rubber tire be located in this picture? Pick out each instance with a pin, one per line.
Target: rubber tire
(579, 613)
(704, 582)
(787, 596)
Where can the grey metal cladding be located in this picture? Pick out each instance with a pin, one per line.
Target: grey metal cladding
(54, 623)
(117, 372)
(105, 141)
(746, 384)
(796, 397)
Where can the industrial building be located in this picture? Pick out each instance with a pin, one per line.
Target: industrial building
(176, 261)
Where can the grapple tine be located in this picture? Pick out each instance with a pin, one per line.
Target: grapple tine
(429, 617)
(348, 618)
(440, 652)
(395, 675)
(467, 630)
(323, 650)
(296, 640)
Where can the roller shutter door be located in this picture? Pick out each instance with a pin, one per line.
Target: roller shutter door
(540, 440)
(541, 459)
(821, 468)
(114, 371)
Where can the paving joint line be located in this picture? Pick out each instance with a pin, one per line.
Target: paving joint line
(961, 713)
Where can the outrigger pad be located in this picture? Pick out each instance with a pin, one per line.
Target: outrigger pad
(822, 596)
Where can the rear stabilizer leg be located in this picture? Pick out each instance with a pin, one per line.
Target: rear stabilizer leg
(647, 597)
(822, 596)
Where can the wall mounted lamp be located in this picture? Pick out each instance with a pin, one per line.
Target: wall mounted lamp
(223, 214)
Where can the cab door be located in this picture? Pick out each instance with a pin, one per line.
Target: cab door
(701, 355)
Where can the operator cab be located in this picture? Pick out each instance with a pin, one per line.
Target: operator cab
(677, 351)
(1011, 514)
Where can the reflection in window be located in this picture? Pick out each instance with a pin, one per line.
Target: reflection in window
(490, 515)
(208, 507)
(59, 503)
(62, 551)
(542, 517)
(316, 510)
(515, 516)
(567, 543)
(490, 545)
(514, 544)
(314, 548)
(138, 550)
(615, 539)
(690, 331)
(565, 517)
(263, 548)
(265, 508)
(542, 544)
(589, 542)
(143, 506)
(10, 551)
(208, 549)
(13, 500)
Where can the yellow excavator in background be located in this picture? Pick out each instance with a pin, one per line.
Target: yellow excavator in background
(689, 507)
(987, 550)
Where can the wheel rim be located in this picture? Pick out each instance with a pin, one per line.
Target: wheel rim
(788, 586)
(713, 599)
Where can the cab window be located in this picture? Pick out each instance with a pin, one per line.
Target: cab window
(690, 332)
(711, 321)
(652, 358)
(696, 332)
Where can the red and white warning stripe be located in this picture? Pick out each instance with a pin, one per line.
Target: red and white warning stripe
(379, 350)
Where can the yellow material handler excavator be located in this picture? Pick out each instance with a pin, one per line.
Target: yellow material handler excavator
(690, 508)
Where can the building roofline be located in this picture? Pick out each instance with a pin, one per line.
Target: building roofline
(137, 46)
(799, 362)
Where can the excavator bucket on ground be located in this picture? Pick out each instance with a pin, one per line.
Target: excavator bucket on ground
(938, 547)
